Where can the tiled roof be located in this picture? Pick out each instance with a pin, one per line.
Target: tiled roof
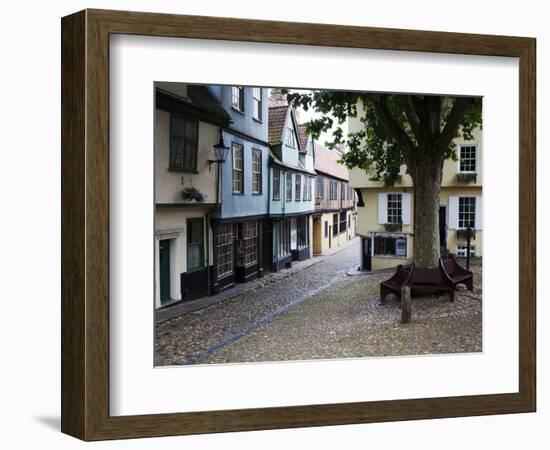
(277, 119)
(326, 162)
(303, 138)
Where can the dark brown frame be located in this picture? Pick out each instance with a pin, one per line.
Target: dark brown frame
(85, 224)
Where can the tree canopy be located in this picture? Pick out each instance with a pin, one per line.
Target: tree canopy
(397, 128)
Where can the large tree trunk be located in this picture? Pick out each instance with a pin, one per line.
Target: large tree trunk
(427, 185)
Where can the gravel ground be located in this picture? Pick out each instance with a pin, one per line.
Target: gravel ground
(335, 316)
(180, 340)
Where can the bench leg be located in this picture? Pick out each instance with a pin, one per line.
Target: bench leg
(470, 284)
(452, 295)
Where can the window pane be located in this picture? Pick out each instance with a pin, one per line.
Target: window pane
(468, 158)
(257, 103)
(298, 187)
(224, 250)
(289, 186)
(237, 98)
(238, 168)
(394, 208)
(466, 212)
(276, 184)
(183, 143)
(195, 244)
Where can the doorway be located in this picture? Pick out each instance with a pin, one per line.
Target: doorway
(443, 228)
(164, 270)
(367, 252)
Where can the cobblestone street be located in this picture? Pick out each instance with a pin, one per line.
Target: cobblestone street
(321, 312)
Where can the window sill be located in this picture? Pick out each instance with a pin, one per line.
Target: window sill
(234, 108)
(192, 171)
(257, 120)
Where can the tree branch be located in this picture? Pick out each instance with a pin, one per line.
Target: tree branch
(454, 118)
(412, 116)
(395, 130)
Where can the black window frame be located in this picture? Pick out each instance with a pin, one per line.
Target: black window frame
(343, 222)
(389, 245)
(200, 244)
(193, 141)
(302, 232)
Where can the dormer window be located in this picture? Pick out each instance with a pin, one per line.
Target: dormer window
(237, 98)
(290, 139)
(257, 103)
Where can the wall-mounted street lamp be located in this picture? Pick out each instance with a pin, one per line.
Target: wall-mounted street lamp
(220, 152)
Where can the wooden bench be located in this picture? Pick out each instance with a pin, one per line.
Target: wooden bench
(456, 272)
(420, 281)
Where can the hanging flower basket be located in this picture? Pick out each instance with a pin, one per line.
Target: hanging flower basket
(191, 194)
(463, 234)
(392, 226)
(467, 177)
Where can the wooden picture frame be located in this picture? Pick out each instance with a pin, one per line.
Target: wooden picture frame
(85, 224)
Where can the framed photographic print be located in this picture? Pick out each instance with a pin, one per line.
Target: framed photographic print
(270, 224)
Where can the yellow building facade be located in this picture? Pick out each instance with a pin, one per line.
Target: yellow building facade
(385, 215)
(334, 221)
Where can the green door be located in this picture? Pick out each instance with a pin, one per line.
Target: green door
(164, 269)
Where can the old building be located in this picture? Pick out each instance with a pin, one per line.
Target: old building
(188, 120)
(386, 214)
(334, 220)
(238, 223)
(292, 179)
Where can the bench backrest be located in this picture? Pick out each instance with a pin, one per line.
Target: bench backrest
(451, 266)
(426, 276)
(402, 275)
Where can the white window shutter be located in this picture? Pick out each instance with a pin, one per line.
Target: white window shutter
(406, 208)
(382, 208)
(453, 213)
(479, 213)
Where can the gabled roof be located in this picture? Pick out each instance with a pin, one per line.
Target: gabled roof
(326, 161)
(299, 168)
(303, 138)
(277, 120)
